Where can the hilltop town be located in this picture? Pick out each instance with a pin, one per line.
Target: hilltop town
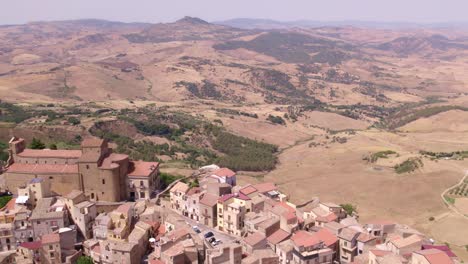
(96, 206)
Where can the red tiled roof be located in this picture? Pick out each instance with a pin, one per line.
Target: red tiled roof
(326, 237)
(254, 239)
(364, 237)
(224, 172)
(50, 238)
(444, 248)
(97, 249)
(380, 253)
(31, 245)
(193, 191)
(278, 236)
(225, 197)
(43, 168)
(327, 219)
(265, 187)
(209, 200)
(111, 161)
(142, 168)
(248, 190)
(305, 239)
(124, 208)
(50, 153)
(242, 196)
(435, 256)
(177, 234)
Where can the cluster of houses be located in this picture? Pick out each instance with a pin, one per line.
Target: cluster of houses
(266, 228)
(64, 209)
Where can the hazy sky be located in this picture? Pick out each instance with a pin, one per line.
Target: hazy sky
(21, 11)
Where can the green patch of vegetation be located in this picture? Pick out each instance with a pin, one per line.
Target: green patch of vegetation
(276, 120)
(3, 151)
(4, 200)
(73, 120)
(349, 208)
(409, 165)
(11, 113)
(440, 155)
(244, 154)
(408, 114)
(449, 200)
(84, 260)
(37, 144)
(235, 112)
(379, 155)
(167, 179)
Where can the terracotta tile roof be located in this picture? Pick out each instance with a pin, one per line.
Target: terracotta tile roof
(444, 248)
(97, 249)
(278, 236)
(73, 194)
(180, 187)
(326, 237)
(31, 245)
(265, 187)
(249, 189)
(43, 168)
(209, 200)
(124, 208)
(242, 196)
(304, 239)
(92, 142)
(50, 153)
(142, 168)
(10, 205)
(50, 238)
(328, 218)
(225, 197)
(380, 253)
(401, 243)
(365, 237)
(193, 191)
(254, 239)
(155, 261)
(177, 234)
(224, 172)
(435, 256)
(347, 234)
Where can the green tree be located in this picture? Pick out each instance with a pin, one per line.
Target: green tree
(53, 146)
(349, 208)
(37, 144)
(74, 121)
(84, 260)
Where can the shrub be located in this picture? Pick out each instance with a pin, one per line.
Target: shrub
(3, 151)
(276, 120)
(167, 179)
(349, 208)
(84, 260)
(408, 165)
(431, 218)
(74, 121)
(37, 144)
(53, 146)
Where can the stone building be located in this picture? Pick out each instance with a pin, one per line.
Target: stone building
(94, 169)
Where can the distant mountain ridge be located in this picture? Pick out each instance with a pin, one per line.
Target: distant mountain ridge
(253, 23)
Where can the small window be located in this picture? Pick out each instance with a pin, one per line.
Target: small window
(87, 167)
(51, 178)
(142, 195)
(51, 247)
(103, 181)
(38, 222)
(92, 195)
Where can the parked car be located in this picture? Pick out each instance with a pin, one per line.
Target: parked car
(196, 229)
(212, 239)
(209, 234)
(216, 242)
